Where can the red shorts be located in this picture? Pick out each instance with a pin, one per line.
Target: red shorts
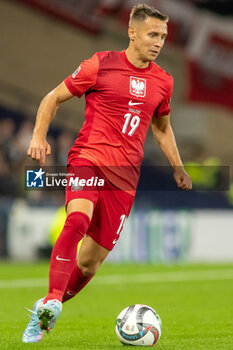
(111, 205)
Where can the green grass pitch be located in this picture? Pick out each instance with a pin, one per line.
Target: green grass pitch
(195, 303)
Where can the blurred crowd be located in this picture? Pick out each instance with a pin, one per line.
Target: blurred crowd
(223, 7)
(15, 137)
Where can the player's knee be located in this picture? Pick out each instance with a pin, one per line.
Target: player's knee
(88, 270)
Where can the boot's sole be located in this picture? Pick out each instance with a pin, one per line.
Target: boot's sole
(45, 316)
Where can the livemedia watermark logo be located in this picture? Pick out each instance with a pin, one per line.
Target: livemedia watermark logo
(58, 180)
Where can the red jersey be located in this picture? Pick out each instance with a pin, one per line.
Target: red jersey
(120, 102)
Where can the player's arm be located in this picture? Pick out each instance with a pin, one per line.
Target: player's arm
(163, 133)
(39, 147)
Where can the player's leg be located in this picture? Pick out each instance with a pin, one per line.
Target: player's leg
(63, 260)
(90, 257)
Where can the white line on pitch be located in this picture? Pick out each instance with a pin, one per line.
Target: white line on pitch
(157, 277)
(24, 283)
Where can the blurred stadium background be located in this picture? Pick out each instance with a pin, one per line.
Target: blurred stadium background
(42, 42)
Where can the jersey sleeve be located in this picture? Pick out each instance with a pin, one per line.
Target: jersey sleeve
(84, 77)
(164, 107)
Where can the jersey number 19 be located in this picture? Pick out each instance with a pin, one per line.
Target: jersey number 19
(134, 122)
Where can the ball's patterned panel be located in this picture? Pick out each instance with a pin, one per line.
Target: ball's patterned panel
(156, 334)
(138, 325)
(128, 311)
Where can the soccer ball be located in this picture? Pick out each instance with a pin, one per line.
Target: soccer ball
(138, 325)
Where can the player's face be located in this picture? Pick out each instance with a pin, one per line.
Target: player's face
(148, 38)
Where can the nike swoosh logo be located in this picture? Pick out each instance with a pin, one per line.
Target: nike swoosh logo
(131, 103)
(57, 258)
(114, 242)
(70, 293)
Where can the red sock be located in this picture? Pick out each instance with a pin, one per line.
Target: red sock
(76, 283)
(63, 258)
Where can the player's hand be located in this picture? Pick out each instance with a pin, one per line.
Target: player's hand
(39, 149)
(182, 179)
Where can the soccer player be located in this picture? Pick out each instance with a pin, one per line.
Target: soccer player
(125, 92)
